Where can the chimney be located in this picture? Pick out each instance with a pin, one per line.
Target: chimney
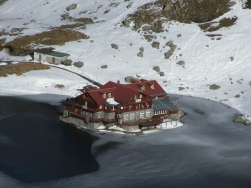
(118, 82)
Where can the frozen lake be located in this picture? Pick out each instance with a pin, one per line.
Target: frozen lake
(208, 151)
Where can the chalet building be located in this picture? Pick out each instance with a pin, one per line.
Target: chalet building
(141, 104)
(50, 56)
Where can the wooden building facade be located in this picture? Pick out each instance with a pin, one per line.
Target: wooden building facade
(141, 104)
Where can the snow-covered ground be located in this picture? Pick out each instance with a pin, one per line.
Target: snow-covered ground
(207, 61)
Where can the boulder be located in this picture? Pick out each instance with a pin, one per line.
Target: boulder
(71, 7)
(155, 45)
(140, 54)
(66, 16)
(67, 62)
(168, 6)
(141, 49)
(169, 43)
(161, 73)
(14, 30)
(156, 68)
(33, 21)
(200, 1)
(115, 46)
(104, 66)
(146, 27)
(248, 123)
(231, 3)
(130, 78)
(214, 87)
(181, 63)
(168, 54)
(127, 22)
(78, 64)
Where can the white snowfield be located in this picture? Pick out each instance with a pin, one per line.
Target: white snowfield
(207, 61)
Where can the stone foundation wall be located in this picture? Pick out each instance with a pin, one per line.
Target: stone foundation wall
(79, 122)
(130, 128)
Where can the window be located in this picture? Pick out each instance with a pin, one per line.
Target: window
(104, 95)
(100, 106)
(126, 117)
(132, 116)
(140, 96)
(148, 113)
(152, 86)
(141, 114)
(143, 87)
(109, 95)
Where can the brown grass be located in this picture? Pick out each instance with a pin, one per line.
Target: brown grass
(57, 36)
(20, 68)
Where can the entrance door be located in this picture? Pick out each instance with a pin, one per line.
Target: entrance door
(53, 60)
(40, 57)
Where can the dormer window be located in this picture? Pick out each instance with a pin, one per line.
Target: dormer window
(109, 95)
(104, 95)
(140, 96)
(152, 86)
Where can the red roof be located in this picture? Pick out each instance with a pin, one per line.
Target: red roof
(148, 90)
(97, 95)
(124, 92)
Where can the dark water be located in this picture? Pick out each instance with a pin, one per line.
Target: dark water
(36, 146)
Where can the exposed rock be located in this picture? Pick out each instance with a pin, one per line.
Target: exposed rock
(140, 54)
(129, 6)
(214, 87)
(141, 49)
(248, 123)
(231, 3)
(104, 66)
(155, 45)
(200, 1)
(78, 64)
(149, 38)
(181, 88)
(115, 46)
(179, 35)
(33, 21)
(238, 118)
(161, 73)
(167, 7)
(231, 58)
(237, 96)
(66, 16)
(71, 7)
(67, 62)
(127, 22)
(146, 27)
(156, 68)
(170, 52)
(130, 78)
(169, 43)
(181, 63)
(14, 30)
